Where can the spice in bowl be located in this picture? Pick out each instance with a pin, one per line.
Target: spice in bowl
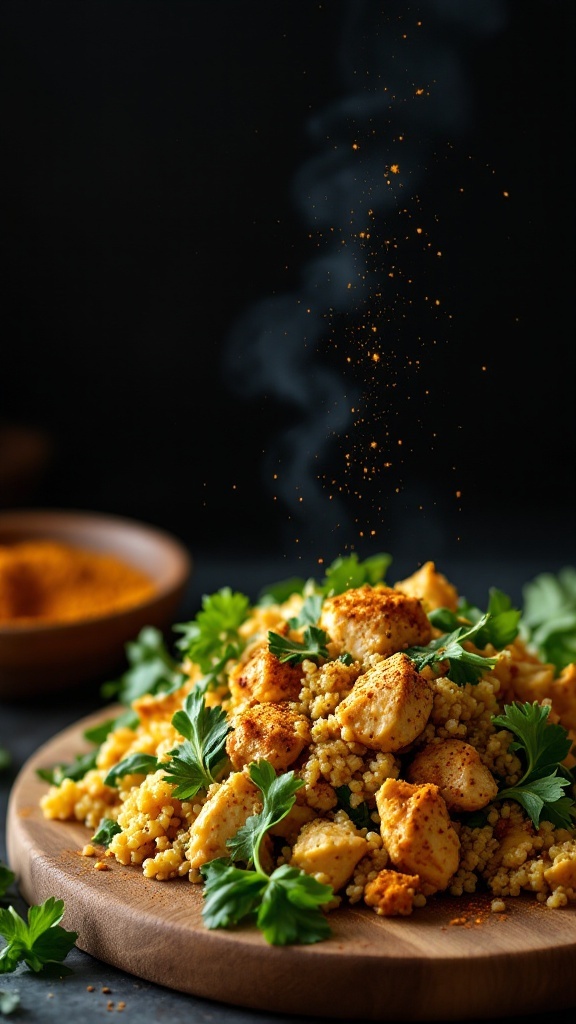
(46, 581)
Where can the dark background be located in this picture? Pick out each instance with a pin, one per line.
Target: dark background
(292, 277)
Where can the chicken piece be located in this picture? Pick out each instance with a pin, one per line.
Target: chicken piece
(221, 817)
(459, 772)
(430, 587)
(563, 696)
(264, 678)
(391, 893)
(329, 850)
(274, 730)
(563, 871)
(417, 832)
(374, 620)
(388, 706)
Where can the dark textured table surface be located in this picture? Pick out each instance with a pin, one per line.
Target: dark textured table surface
(94, 991)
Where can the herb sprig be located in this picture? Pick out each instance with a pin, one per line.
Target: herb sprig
(463, 666)
(286, 904)
(543, 746)
(312, 647)
(37, 941)
(215, 628)
(549, 616)
(194, 764)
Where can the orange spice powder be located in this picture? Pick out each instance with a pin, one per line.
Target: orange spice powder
(47, 581)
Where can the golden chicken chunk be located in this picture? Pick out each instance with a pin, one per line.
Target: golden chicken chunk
(391, 893)
(329, 850)
(221, 817)
(430, 587)
(388, 706)
(459, 772)
(417, 832)
(274, 730)
(374, 620)
(263, 677)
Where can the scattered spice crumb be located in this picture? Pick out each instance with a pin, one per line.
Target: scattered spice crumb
(88, 850)
(497, 906)
(110, 1005)
(106, 989)
(101, 865)
(121, 1005)
(89, 988)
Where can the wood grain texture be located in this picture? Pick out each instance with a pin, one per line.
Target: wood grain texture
(425, 967)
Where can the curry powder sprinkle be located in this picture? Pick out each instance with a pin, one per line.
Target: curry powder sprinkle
(49, 582)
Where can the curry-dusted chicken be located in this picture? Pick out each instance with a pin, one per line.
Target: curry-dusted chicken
(393, 723)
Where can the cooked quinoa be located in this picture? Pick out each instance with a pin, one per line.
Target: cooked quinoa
(401, 768)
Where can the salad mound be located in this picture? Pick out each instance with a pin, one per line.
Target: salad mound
(343, 741)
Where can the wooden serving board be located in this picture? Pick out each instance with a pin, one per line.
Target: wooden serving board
(452, 960)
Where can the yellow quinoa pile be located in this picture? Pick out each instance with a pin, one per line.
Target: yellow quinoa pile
(401, 768)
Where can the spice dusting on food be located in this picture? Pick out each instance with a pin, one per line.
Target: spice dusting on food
(342, 742)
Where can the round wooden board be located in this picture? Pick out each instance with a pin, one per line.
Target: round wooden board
(452, 960)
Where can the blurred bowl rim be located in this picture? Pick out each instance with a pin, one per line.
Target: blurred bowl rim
(55, 523)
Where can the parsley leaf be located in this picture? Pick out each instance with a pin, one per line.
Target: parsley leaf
(360, 815)
(214, 628)
(342, 574)
(98, 733)
(549, 616)
(463, 666)
(75, 770)
(107, 829)
(501, 620)
(544, 746)
(285, 904)
(38, 941)
(6, 879)
(278, 793)
(312, 647)
(5, 759)
(134, 764)
(198, 761)
(152, 669)
(346, 573)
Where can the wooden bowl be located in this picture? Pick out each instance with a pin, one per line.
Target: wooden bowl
(41, 657)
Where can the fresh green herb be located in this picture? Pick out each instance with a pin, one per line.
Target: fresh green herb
(348, 572)
(543, 746)
(127, 720)
(134, 764)
(549, 616)
(501, 620)
(39, 941)
(360, 815)
(5, 759)
(309, 612)
(197, 762)
(76, 770)
(152, 669)
(107, 829)
(9, 1001)
(215, 676)
(346, 658)
(277, 593)
(6, 879)
(463, 666)
(342, 574)
(312, 647)
(286, 904)
(215, 627)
